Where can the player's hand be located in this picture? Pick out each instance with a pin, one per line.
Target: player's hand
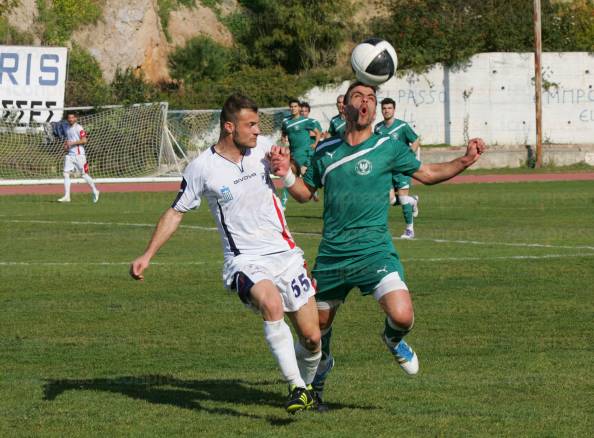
(476, 147)
(280, 160)
(138, 266)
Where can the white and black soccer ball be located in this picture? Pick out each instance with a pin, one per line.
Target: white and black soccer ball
(374, 61)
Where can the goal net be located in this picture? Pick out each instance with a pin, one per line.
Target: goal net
(125, 143)
(195, 130)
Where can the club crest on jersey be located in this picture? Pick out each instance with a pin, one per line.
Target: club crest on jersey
(363, 167)
(226, 194)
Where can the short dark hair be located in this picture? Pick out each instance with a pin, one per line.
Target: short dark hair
(388, 101)
(305, 105)
(293, 100)
(69, 113)
(355, 84)
(233, 105)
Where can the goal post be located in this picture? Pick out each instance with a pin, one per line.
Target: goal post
(123, 142)
(135, 143)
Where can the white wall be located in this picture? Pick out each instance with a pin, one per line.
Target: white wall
(492, 97)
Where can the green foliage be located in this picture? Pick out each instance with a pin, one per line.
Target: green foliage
(201, 58)
(297, 35)
(7, 5)
(12, 36)
(166, 7)
(129, 87)
(62, 17)
(85, 85)
(429, 31)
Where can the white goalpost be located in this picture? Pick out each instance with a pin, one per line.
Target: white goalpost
(136, 143)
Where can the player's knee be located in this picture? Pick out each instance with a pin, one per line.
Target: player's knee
(403, 316)
(66, 174)
(271, 307)
(312, 341)
(404, 199)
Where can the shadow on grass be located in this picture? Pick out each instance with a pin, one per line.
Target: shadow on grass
(186, 394)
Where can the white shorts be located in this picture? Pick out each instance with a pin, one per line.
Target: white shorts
(286, 270)
(76, 163)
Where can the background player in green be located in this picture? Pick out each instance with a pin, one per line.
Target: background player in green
(314, 135)
(400, 130)
(338, 122)
(356, 248)
(296, 129)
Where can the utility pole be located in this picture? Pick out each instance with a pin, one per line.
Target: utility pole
(538, 80)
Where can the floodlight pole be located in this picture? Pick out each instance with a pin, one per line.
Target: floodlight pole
(538, 80)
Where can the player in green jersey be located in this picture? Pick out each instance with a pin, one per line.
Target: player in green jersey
(400, 130)
(314, 135)
(356, 248)
(338, 122)
(296, 129)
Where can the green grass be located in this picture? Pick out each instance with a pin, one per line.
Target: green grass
(506, 344)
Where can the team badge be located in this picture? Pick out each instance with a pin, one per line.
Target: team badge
(363, 167)
(226, 194)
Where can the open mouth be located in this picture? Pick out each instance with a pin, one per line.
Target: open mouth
(363, 110)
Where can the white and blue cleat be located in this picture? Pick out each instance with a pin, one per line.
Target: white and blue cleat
(405, 356)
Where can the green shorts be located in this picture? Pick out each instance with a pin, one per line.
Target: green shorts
(401, 181)
(336, 276)
(302, 157)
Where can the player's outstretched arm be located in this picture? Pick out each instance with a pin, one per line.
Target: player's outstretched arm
(280, 160)
(438, 172)
(166, 226)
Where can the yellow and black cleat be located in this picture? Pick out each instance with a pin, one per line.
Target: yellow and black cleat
(300, 399)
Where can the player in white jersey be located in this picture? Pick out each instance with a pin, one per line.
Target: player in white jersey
(261, 261)
(75, 159)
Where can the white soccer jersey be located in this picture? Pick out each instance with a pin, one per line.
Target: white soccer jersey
(241, 198)
(75, 133)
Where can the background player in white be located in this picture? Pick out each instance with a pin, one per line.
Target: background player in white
(75, 159)
(262, 263)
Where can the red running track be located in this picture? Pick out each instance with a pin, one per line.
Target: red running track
(173, 186)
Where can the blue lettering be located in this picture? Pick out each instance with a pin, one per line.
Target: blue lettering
(411, 96)
(591, 95)
(47, 69)
(580, 94)
(421, 97)
(401, 95)
(10, 71)
(584, 116)
(28, 80)
(565, 92)
(432, 96)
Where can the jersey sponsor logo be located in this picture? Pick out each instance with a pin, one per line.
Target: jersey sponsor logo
(363, 167)
(384, 269)
(395, 136)
(244, 178)
(226, 194)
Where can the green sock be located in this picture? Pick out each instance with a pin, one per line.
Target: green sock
(326, 344)
(394, 334)
(407, 212)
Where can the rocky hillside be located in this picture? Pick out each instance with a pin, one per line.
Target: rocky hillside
(131, 33)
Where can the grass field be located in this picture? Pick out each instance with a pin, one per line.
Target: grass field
(502, 276)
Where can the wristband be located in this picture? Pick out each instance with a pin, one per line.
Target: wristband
(289, 179)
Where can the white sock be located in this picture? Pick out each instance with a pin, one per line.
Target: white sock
(90, 182)
(280, 340)
(307, 361)
(405, 199)
(67, 183)
(410, 227)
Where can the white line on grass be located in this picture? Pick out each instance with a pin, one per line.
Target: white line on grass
(310, 234)
(5, 263)
(410, 260)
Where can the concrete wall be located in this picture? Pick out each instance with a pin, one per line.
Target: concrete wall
(492, 97)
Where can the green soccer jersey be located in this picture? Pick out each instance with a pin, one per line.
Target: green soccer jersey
(356, 181)
(319, 128)
(297, 130)
(337, 126)
(398, 130)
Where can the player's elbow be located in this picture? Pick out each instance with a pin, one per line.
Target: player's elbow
(426, 177)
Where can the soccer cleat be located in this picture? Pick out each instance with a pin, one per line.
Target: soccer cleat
(64, 199)
(319, 404)
(415, 206)
(408, 234)
(405, 356)
(320, 377)
(96, 196)
(300, 399)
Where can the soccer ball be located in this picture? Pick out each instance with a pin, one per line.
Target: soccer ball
(374, 61)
